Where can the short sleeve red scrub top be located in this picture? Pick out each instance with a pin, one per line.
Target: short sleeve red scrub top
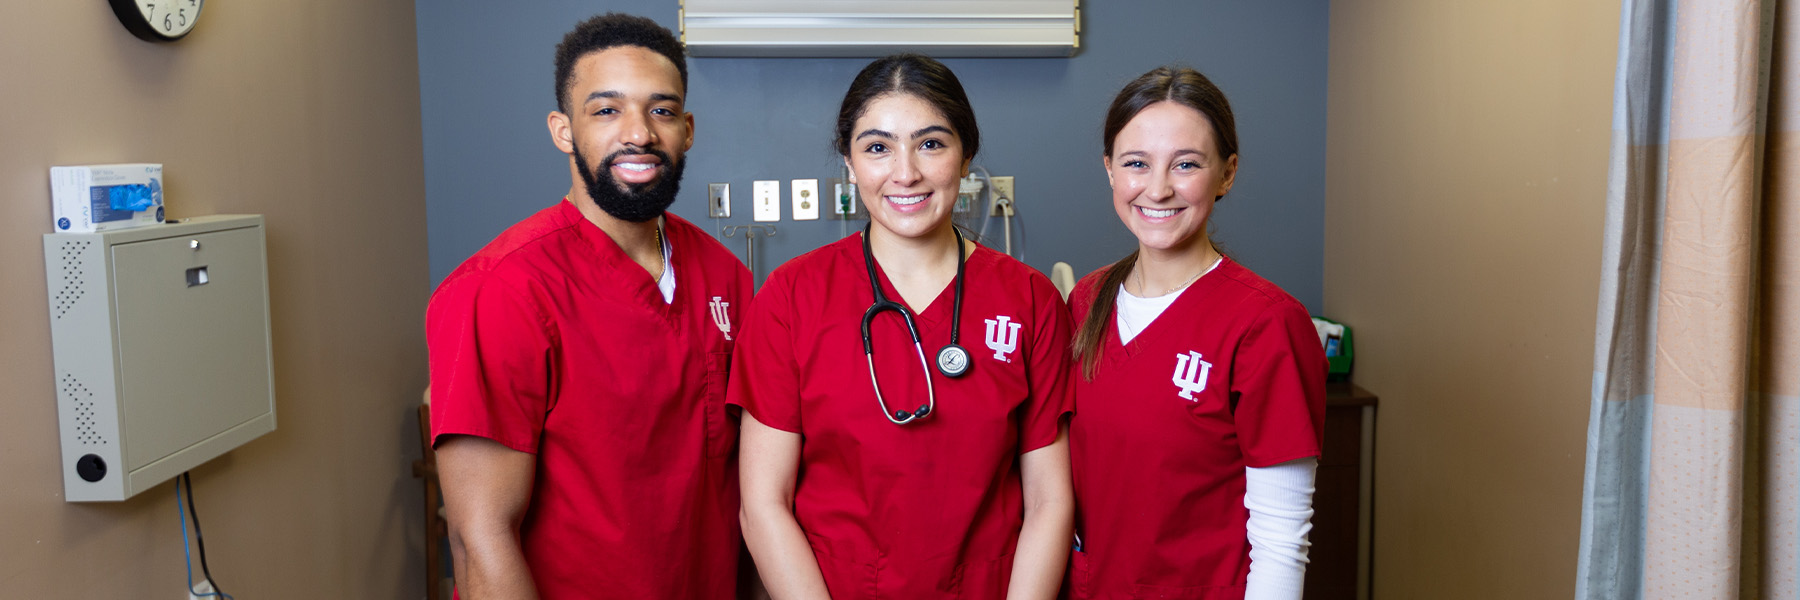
(931, 509)
(1230, 376)
(551, 341)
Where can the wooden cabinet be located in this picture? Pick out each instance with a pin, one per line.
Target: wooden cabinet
(1343, 502)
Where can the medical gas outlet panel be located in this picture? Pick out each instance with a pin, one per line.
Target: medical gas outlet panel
(161, 345)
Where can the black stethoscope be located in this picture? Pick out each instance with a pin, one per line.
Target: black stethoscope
(952, 359)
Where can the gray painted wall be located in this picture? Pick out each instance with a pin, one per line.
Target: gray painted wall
(486, 86)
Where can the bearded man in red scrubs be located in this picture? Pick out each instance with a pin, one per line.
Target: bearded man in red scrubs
(578, 361)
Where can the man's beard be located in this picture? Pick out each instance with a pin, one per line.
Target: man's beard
(636, 203)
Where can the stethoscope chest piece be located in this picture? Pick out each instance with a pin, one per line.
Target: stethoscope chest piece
(953, 360)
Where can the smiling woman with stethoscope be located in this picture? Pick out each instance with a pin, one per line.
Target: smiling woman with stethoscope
(960, 486)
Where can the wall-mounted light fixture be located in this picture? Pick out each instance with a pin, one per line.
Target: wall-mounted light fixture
(869, 28)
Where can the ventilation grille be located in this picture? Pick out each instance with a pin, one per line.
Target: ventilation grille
(74, 287)
(87, 430)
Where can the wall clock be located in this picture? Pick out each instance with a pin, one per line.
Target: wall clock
(158, 20)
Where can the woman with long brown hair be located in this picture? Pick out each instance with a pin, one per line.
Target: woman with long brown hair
(1200, 405)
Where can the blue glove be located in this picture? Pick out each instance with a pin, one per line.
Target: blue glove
(130, 197)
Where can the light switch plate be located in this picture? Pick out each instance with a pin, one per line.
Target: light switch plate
(806, 199)
(718, 200)
(765, 201)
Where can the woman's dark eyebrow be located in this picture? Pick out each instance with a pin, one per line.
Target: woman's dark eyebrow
(932, 129)
(874, 132)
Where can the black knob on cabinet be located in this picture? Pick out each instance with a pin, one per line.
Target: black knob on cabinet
(91, 468)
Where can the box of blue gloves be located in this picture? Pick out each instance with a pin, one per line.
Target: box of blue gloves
(102, 197)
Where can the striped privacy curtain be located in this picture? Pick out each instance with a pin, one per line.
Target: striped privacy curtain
(1692, 444)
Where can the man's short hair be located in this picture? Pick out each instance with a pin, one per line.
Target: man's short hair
(607, 31)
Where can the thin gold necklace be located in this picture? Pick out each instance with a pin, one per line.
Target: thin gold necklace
(659, 246)
(1143, 285)
(659, 252)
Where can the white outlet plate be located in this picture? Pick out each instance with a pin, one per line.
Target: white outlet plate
(718, 200)
(765, 202)
(1003, 188)
(806, 199)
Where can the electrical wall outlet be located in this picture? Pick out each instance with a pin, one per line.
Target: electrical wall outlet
(203, 590)
(1003, 196)
(765, 201)
(718, 200)
(806, 199)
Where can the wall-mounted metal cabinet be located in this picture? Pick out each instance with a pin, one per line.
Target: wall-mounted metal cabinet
(162, 353)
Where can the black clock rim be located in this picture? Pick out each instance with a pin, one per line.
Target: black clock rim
(128, 14)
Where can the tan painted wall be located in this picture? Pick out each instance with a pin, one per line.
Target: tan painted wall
(1466, 186)
(305, 112)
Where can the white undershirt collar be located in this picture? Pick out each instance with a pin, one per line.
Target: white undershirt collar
(1133, 314)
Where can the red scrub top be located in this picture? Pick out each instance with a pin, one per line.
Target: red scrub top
(930, 509)
(551, 341)
(1230, 376)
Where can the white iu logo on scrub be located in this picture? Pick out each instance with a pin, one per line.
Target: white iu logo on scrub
(1002, 337)
(720, 317)
(1190, 374)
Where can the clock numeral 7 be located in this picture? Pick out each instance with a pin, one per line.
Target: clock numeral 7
(150, 12)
